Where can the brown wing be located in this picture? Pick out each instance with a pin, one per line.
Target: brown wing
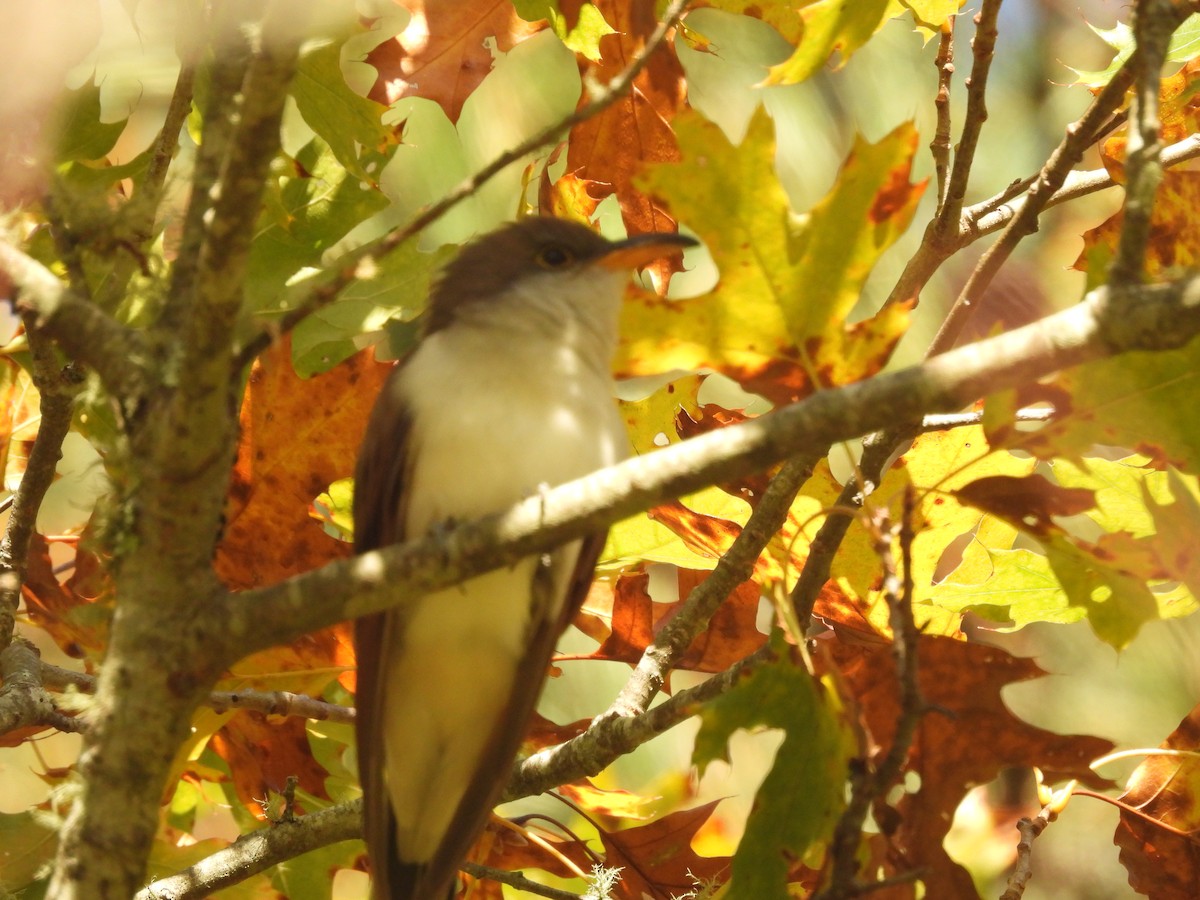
(495, 764)
(378, 521)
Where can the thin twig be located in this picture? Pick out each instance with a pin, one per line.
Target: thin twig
(1066, 156)
(345, 269)
(939, 147)
(517, 880)
(869, 785)
(983, 48)
(1030, 830)
(994, 213)
(877, 451)
(142, 209)
(272, 703)
(943, 235)
(57, 387)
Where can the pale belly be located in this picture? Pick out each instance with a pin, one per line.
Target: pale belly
(460, 647)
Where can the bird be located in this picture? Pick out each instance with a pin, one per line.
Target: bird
(508, 391)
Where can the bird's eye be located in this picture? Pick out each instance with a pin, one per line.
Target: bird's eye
(554, 257)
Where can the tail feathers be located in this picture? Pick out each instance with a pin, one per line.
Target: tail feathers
(415, 881)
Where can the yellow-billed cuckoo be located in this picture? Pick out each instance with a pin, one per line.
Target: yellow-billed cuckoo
(508, 391)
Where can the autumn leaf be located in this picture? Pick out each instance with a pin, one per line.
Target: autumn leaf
(297, 438)
(442, 55)
(656, 860)
(776, 321)
(612, 147)
(634, 618)
(1160, 817)
(74, 612)
(965, 738)
(829, 25)
(262, 752)
(802, 795)
(1110, 578)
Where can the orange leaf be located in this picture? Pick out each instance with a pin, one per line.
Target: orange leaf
(72, 612)
(443, 54)
(262, 753)
(657, 860)
(966, 739)
(635, 619)
(297, 437)
(1157, 835)
(614, 145)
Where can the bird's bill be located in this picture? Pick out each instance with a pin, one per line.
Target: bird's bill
(642, 249)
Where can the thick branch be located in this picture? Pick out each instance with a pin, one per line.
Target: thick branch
(85, 333)
(1153, 25)
(1164, 317)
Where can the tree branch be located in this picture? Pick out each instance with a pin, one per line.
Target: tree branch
(273, 703)
(57, 387)
(996, 212)
(609, 738)
(1065, 157)
(867, 786)
(1163, 317)
(939, 147)
(259, 851)
(1153, 25)
(23, 698)
(518, 881)
(85, 333)
(735, 567)
(983, 47)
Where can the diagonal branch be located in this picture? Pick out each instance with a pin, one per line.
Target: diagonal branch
(259, 851)
(85, 333)
(734, 567)
(996, 212)
(1163, 317)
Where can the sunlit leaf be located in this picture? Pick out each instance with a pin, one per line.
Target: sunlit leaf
(802, 795)
(830, 26)
(776, 321)
(1160, 814)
